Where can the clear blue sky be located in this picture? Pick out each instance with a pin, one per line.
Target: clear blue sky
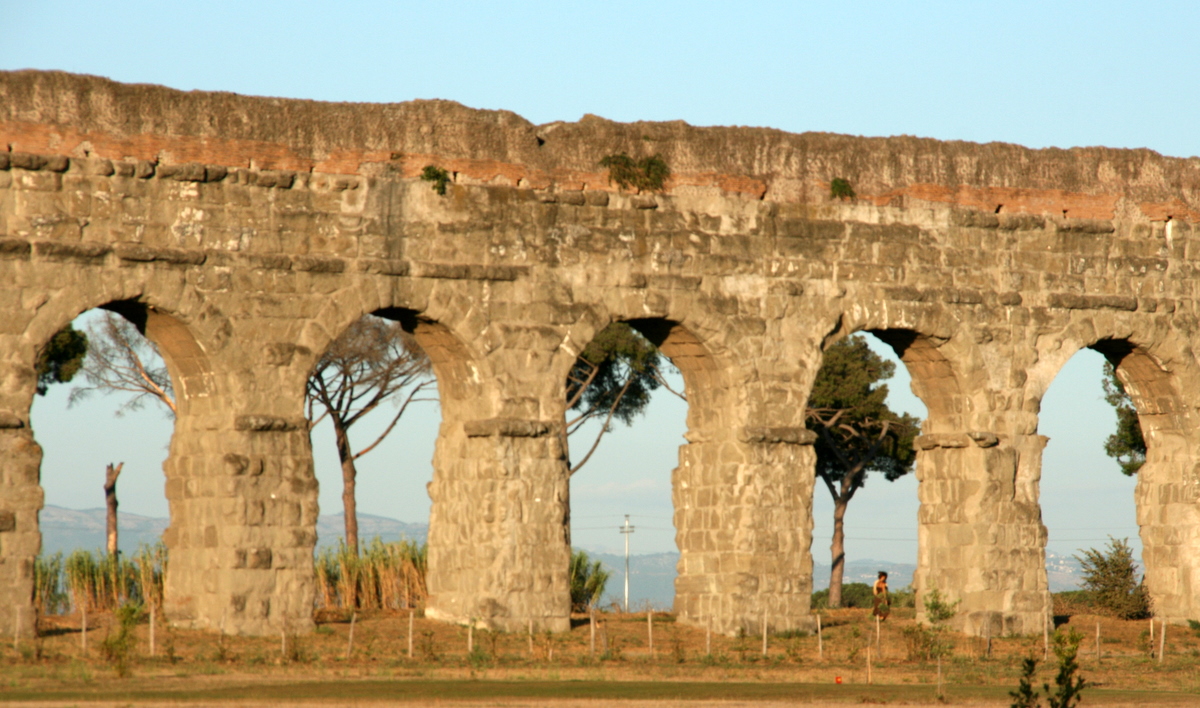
(1036, 73)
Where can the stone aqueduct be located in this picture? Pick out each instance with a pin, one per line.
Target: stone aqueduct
(243, 234)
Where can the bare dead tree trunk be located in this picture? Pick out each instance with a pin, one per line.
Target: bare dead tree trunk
(110, 503)
(349, 476)
(837, 551)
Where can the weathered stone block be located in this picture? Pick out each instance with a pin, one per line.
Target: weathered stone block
(26, 161)
(507, 427)
(259, 559)
(266, 423)
(85, 251)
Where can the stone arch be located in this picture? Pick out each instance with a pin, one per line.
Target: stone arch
(1153, 384)
(739, 488)
(934, 379)
(434, 323)
(189, 363)
(187, 359)
(970, 473)
(455, 367)
(497, 544)
(1159, 404)
(694, 347)
(1134, 355)
(1168, 483)
(706, 379)
(923, 338)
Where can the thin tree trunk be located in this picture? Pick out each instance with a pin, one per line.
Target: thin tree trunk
(110, 503)
(349, 476)
(837, 550)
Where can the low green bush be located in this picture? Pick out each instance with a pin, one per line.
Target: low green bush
(588, 579)
(1111, 576)
(853, 595)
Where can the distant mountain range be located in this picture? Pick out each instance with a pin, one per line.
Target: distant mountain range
(68, 529)
(651, 576)
(331, 529)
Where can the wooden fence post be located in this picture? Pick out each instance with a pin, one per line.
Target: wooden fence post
(350, 641)
(1045, 637)
(820, 640)
(764, 637)
(650, 631)
(410, 633)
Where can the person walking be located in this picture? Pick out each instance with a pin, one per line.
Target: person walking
(882, 602)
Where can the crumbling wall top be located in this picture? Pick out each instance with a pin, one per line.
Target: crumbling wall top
(59, 113)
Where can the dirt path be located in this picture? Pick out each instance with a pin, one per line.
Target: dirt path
(543, 694)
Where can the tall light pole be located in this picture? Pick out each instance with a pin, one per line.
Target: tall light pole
(626, 529)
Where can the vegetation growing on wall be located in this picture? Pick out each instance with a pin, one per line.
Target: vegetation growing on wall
(438, 176)
(648, 174)
(840, 188)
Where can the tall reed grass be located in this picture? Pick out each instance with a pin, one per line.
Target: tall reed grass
(103, 582)
(98, 581)
(50, 596)
(382, 576)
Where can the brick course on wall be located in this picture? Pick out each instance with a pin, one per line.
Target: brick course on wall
(244, 234)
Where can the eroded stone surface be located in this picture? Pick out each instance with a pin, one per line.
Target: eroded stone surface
(244, 234)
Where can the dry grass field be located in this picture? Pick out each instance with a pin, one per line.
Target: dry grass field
(515, 669)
